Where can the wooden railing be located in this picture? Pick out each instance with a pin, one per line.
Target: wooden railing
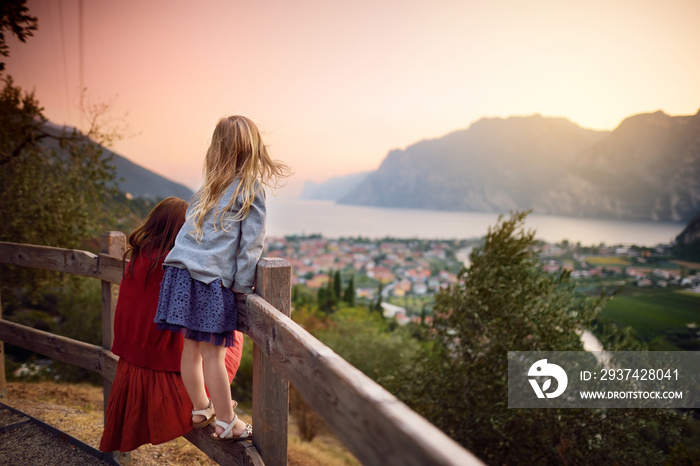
(373, 424)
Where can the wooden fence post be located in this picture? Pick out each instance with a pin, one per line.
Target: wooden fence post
(113, 244)
(270, 388)
(3, 381)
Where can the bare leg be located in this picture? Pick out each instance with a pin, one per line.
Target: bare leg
(217, 382)
(192, 376)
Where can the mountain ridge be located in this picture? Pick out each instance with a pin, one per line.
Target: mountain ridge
(131, 178)
(648, 168)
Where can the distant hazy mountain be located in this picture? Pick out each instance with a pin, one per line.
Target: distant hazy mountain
(133, 178)
(332, 189)
(494, 165)
(647, 168)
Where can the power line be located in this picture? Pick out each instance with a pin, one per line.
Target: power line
(65, 61)
(53, 61)
(80, 58)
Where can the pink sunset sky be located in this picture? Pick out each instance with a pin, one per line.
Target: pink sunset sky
(335, 85)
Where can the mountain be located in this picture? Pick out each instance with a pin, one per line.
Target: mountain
(332, 189)
(495, 165)
(648, 168)
(687, 245)
(140, 182)
(131, 178)
(691, 233)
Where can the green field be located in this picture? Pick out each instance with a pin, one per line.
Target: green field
(661, 317)
(607, 260)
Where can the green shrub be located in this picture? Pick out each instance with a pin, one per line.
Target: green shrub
(363, 339)
(80, 311)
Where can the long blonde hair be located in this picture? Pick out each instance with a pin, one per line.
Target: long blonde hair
(236, 151)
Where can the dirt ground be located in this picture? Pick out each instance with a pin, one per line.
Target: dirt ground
(78, 411)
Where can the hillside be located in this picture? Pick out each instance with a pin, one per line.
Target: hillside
(140, 182)
(687, 245)
(131, 178)
(691, 233)
(648, 168)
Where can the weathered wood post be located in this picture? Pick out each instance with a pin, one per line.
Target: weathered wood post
(113, 244)
(270, 388)
(3, 381)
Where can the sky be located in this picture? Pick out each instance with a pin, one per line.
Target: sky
(334, 85)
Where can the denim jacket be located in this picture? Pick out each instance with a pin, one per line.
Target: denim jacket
(231, 253)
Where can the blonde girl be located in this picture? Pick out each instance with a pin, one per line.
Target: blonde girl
(212, 266)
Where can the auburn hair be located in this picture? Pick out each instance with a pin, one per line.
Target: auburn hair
(236, 152)
(156, 236)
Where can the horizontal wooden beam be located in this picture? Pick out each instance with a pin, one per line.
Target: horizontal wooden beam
(110, 268)
(372, 423)
(60, 348)
(225, 453)
(71, 261)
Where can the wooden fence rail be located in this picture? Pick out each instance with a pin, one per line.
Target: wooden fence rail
(373, 424)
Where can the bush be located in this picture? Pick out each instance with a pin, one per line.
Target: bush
(363, 339)
(307, 420)
(80, 311)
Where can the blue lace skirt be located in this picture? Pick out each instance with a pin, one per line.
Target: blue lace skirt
(198, 311)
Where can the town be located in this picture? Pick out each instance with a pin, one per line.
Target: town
(409, 272)
(404, 270)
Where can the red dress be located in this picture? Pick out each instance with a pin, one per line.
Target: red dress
(148, 402)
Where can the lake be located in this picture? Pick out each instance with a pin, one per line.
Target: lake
(293, 216)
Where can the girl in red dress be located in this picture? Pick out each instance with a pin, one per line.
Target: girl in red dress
(148, 402)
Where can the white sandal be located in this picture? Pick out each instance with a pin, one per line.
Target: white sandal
(208, 414)
(227, 435)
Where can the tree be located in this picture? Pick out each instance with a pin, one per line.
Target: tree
(54, 182)
(53, 185)
(377, 307)
(349, 294)
(505, 302)
(337, 285)
(15, 17)
(327, 298)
